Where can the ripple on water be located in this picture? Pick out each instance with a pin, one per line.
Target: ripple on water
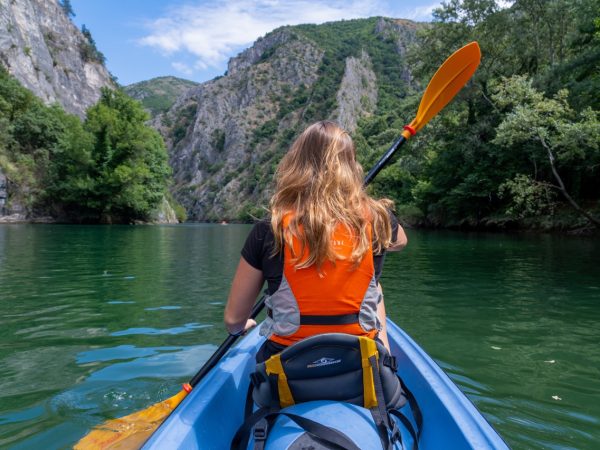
(165, 308)
(160, 363)
(187, 328)
(120, 352)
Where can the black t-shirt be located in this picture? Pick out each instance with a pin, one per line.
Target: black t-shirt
(258, 252)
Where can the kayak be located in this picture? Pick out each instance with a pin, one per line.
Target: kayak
(210, 415)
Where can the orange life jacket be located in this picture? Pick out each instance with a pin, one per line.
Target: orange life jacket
(342, 298)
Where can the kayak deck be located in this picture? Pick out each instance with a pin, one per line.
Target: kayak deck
(211, 414)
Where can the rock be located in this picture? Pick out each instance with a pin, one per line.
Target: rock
(43, 49)
(3, 194)
(225, 136)
(357, 95)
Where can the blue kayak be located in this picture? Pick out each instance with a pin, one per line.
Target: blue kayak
(210, 415)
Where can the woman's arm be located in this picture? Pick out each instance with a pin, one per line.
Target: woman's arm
(244, 290)
(401, 241)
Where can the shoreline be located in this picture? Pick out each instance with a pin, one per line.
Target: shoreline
(534, 228)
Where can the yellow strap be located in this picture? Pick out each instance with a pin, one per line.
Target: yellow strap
(274, 367)
(368, 348)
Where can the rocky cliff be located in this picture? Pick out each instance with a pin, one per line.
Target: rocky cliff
(46, 52)
(226, 136)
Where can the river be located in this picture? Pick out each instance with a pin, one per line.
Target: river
(101, 321)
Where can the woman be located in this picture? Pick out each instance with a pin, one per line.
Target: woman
(322, 252)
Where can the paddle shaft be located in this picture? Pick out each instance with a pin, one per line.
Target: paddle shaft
(385, 159)
(226, 345)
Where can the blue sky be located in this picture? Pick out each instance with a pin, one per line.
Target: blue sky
(194, 39)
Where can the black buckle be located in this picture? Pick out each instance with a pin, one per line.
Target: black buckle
(257, 378)
(391, 362)
(260, 430)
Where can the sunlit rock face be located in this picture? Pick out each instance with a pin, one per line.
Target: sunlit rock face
(225, 136)
(45, 51)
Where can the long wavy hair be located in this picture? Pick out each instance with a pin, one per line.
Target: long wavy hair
(321, 183)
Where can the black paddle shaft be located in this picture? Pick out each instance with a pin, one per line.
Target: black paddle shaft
(226, 345)
(385, 159)
(230, 340)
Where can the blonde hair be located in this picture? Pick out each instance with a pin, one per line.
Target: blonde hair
(321, 183)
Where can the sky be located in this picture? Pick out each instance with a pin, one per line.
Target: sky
(194, 39)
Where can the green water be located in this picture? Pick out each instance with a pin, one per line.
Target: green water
(97, 322)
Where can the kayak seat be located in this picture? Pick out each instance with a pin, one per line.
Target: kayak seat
(333, 366)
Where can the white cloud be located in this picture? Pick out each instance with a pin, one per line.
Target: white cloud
(183, 68)
(213, 31)
(421, 13)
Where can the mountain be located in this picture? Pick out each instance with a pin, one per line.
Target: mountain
(50, 56)
(158, 94)
(225, 136)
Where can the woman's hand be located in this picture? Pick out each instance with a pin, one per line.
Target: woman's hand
(250, 323)
(401, 241)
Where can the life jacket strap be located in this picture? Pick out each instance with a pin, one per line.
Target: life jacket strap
(368, 349)
(259, 421)
(273, 367)
(340, 319)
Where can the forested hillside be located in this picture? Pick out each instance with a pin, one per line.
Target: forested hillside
(520, 147)
(158, 94)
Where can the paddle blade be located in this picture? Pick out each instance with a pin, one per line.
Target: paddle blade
(451, 76)
(130, 432)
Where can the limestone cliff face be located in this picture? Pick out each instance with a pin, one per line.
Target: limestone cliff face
(357, 95)
(226, 136)
(210, 130)
(44, 50)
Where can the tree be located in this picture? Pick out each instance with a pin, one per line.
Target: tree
(566, 138)
(88, 49)
(129, 160)
(67, 7)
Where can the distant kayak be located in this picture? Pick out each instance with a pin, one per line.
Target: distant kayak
(210, 415)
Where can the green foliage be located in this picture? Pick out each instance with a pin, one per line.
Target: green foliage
(180, 212)
(552, 123)
(67, 7)
(567, 142)
(130, 160)
(159, 94)
(110, 168)
(410, 214)
(88, 49)
(528, 197)
(218, 140)
(482, 157)
(251, 212)
(344, 39)
(184, 117)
